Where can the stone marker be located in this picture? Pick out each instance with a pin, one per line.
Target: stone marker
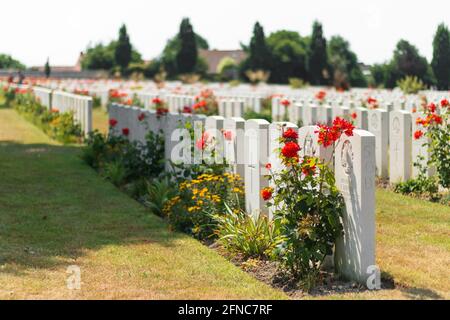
(256, 151)
(379, 125)
(355, 178)
(234, 140)
(400, 146)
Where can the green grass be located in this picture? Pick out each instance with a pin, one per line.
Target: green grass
(56, 212)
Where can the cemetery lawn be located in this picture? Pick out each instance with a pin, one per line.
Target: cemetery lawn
(56, 212)
(100, 120)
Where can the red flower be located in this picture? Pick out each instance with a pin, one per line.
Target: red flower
(285, 102)
(54, 110)
(125, 131)
(157, 101)
(187, 109)
(445, 103)
(202, 142)
(437, 119)
(321, 95)
(343, 126)
(266, 193)
(420, 121)
(269, 166)
(309, 167)
(290, 150)
(329, 135)
(432, 107)
(228, 135)
(290, 134)
(354, 115)
(112, 122)
(414, 110)
(371, 100)
(418, 134)
(141, 117)
(161, 111)
(430, 120)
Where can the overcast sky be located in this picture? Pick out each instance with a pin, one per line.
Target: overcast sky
(35, 29)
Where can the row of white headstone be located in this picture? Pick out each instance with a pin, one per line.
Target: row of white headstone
(80, 106)
(252, 147)
(44, 96)
(397, 151)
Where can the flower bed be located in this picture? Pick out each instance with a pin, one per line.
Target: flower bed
(57, 125)
(207, 201)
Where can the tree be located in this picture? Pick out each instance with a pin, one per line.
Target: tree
(378, 74)
(7, 62)
(289, 54)
(168, 57)
(259, 54)
(407, 62)
(47, 69)
(441, 57)
(187, 54)
(344, 65)
(102, 57)
(317, 56)
(123, 50)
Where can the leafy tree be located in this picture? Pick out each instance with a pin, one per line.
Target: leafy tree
(378, 74)
(344, 65)
(441, 57)
(123, 50)
(7, 62)
(47, 68)
(317, 56)
(259, 54)
(168, 57)
(99, 57)
(289, 56)
(407, 62)
(102, 57)
(187, 54)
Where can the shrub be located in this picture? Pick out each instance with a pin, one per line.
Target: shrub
(306, 202)
(115, 172)
(59, 126)
(138, 160)
(202, 199)
(422, 186)
(297, 83)
(158, 193)
(253, 237)
(411, 85)
(258, 76)
(437, 129)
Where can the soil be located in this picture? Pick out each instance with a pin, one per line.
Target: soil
(271, 273)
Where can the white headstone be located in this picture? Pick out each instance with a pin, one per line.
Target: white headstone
(256, 151)
(400, 146)
(355, 178)
(234, 140)
(379, 125)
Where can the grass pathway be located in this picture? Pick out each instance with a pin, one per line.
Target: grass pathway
(56, 212)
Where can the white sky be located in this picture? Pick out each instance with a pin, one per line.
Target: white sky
(35, 29)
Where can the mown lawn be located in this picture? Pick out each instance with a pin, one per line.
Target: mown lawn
(56, 212)
(100, 120)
